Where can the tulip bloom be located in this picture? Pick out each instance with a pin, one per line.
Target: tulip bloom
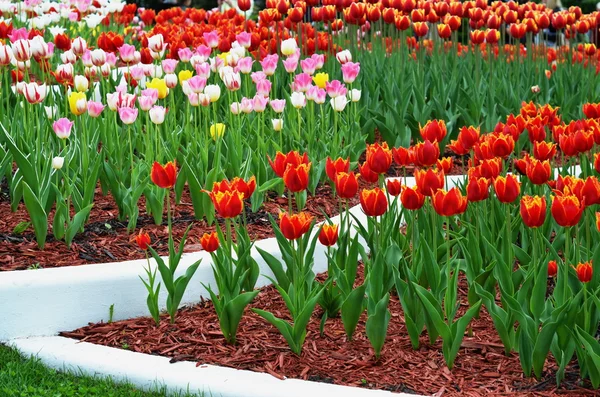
(346, 184)
(217, 130)
(294, 226)
(247, 188)
(544, 150)
(62, 128)
(394, 187)
(367, 174)
(128, 115)
(533, 210)
(296, 178)
(379, 157)
(209, 242)
(228, 204)
(426, 153)
(434, 130)
(552, 268)
(403, 156)
(333, 167)
(478, 188)
(143, 240)
(538, 172)
(373, 202)
(429, 181)
(567, 210)
(507, 188)
(279, 165)
(411, 198)
(328, 235)
(584, 272)
(449, 203)
(597, 162)
(164, 176)
(77, 103)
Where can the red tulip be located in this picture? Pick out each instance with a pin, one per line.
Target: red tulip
(552, 268)
(507, 188)
(584, 272)
(533, 210)
(346, 184)
(294, 226)
(143, 240)
(228, 204)
(538, 172)
(328, 235)
(279, 165)
(544, 150)
(434, 130)
(411, 198)
(449, 203)
(373, 202)
(567, 210)
(394, 187)
(367, 174)
(296, 177)
(333, 167)
(429, 181)
(209, 242)
(478, 189)
(403, 156)
(379, 157)
(426, 153)
(164, 176)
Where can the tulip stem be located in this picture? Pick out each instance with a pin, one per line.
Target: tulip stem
(586, 316)
(290, 207)
(509, 257)
(565, 265)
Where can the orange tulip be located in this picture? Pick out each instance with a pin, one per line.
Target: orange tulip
(394, 187)
(507, 188)
(296, 177)
(478, 189)
(367, 174)
(426, 153)
(502, 145)
(584, 271)
(164, 176)
(444, 31)
(533, 210)
(333, 167)
(209, 242)
(279, 165)
(449, 203)
(411, 198)
(421, 29)
(567, 210)
(403, 156)
(538, 172)
(328, 235)
(591, 110)
(228, 204)
(544, 150)
(247, 188)
(143, 240)
(491, 168)
(373, 202)
(434, 130)
(429, 180)
(346, 184)
(552, 268)
(379, 157)
(294, 226)
(590, 192)
(445, 164)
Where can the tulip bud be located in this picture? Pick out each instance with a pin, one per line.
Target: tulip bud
(354, 95)
(81, 83)
(58, 162)
(277, 124)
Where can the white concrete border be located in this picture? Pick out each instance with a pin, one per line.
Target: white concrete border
(147, 371)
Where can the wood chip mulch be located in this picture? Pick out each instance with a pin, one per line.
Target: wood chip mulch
(105, 238)
(481, 368)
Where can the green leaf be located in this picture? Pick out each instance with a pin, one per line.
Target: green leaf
(377, 324)
(283, 326)
(77, 223)
(37, 214)
(21, 227)
(276, 267)
(352, 308)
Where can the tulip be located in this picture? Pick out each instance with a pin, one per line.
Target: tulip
(298, 100)
(503, 145)
(35, 93)
(247, 188)
(597, 162)
(394, 187)
(533, 210)
(77, 103)
(491, 168)
(478, 189)
(58, 162)
(567, 210)
(411, 198)
(269, 64)
(403, 156)
(160, 86)
(343, 56)
(332, 168)
(279, 165)
(507, 188)
(339, 104)
(538, 172)
(590, 192)
(434, 130)
(157, 114)
(296, 177)
(350, 71)
(584, 272)
(552, 268)
(379, 157)
(321, 79)
(289, 47)
(335, 89)
(164, 176)
(81, 83)
(544, 150)
(209, 242)
(128, 115)
(449, 203)
(217, 130)
(328, 235)
(143, 240)
(278, 105)
(62, 128)
(95, 108)
(354, 95)
(426, 153)
(346, 184)
(429, 181)
(277, 124)
(126, 52)
(294, 226)
(213, 92)
(228, 204)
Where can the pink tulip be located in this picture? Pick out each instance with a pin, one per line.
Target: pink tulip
(73, 16)
(290, 64)
(203, 70)
(350, 71)
(197, 84)
(269, 64)
(312, 93)
(157, 114)
(128, 115)
(259, 103)
(302, 82)
(152, 93)
(263, 88)
(278, 105)
(203, 52)
(235, 108)
(246, 105)
(185, 54)
(18, 34)
(257, 76)
(111, 59)
(244, 65)
(127, 53)
(321, 95)
(319, 59)
(169, 65)
(95, 108)
(145, 102)
(86, 59)
(216, 63)
(136, 72)
(335, 89)
(62, 128)
(308, 65)
(211, 38)
(244, 39)
(194, 99)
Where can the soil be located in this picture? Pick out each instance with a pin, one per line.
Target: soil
(481, 368)
(105, 238)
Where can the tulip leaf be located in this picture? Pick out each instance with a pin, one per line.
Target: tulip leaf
(37, 214)
(377, 324)
(77, 223)
(276, 267)
(352, 308)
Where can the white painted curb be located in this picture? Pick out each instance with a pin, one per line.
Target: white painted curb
(147, 371)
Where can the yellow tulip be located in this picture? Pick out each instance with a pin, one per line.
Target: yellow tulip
(77, 103)
(320, 79)
(159, 85)
(217, 130)
(185, 75)
(223, 56)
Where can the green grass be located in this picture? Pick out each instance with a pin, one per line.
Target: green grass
(28, 377)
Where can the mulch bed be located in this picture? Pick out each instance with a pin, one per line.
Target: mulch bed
(481, 367)
(105, 238)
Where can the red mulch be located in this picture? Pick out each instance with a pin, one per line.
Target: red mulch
(481, 368)
(105, 238)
